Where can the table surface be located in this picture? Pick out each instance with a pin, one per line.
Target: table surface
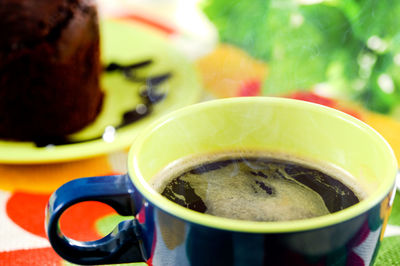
(25, 189)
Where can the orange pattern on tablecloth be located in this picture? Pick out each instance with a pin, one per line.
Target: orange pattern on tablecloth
(227, 69)
(48, 177)
(388, 127)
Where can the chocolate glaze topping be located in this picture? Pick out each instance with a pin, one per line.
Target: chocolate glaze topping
(149, 97)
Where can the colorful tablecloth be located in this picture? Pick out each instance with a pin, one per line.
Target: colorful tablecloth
(25, 189)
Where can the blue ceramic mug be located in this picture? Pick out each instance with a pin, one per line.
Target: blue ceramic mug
(164, 233)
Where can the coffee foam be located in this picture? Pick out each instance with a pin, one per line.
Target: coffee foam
(233, 194)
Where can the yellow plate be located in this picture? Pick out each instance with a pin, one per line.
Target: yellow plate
(122, 43)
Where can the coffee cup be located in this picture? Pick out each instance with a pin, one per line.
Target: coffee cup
(164, 233)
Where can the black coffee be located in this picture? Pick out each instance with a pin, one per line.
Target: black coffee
(256, 188)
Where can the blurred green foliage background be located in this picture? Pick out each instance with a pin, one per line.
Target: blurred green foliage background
(345, 48)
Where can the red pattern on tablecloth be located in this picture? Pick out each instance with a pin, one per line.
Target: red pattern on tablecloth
(30, 257)
(26, 210)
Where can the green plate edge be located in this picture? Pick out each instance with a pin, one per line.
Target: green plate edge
(122, 42)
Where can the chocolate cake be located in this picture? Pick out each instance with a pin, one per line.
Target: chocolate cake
(49, 68)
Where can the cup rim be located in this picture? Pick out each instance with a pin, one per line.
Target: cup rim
(255, 226)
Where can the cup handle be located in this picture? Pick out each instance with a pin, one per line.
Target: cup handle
(122, 245)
